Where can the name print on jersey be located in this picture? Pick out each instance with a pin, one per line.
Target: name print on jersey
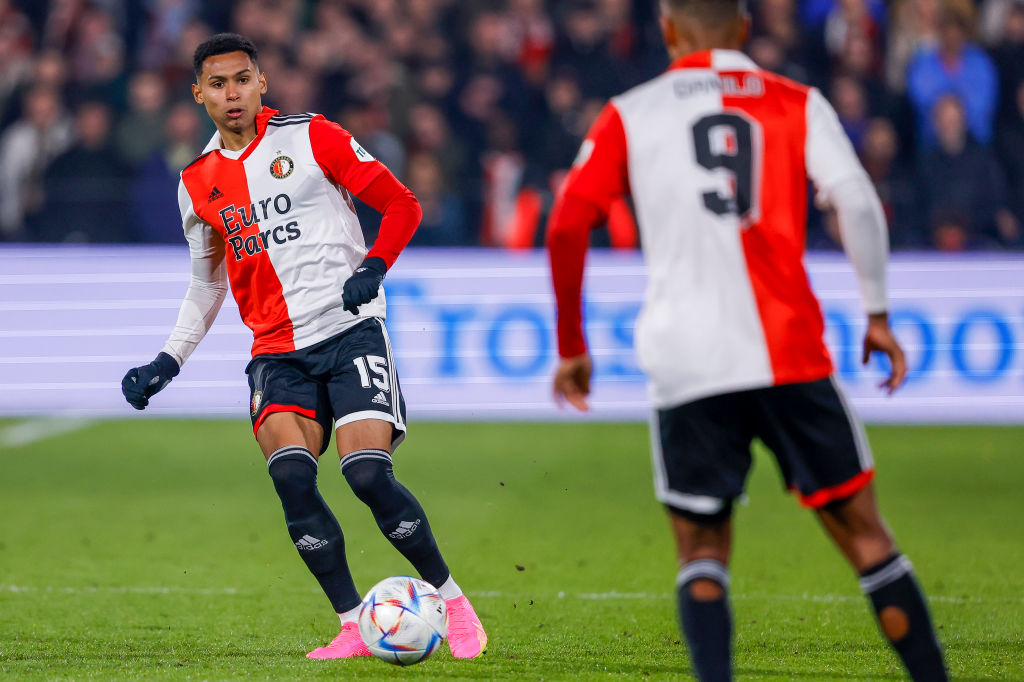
(727, 84)
(235, 219)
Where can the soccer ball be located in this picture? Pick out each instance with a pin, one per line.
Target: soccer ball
(403, 620)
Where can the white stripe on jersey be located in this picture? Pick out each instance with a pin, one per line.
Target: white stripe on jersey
(697, 273)
(313, 268)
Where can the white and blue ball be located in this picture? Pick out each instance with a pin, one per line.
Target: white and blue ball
(403, 620)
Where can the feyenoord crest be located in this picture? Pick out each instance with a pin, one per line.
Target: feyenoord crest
(282, 167)
(254, 406)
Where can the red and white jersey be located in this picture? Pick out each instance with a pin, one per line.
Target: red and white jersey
(717, 154)
(281, 212)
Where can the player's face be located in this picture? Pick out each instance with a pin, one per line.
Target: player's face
(231, 89)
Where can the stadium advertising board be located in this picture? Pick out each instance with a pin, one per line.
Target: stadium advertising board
(473, 335)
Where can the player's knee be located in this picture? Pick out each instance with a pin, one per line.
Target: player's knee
(369, 474)
(294, 474)
(704, 579)
(701, 536)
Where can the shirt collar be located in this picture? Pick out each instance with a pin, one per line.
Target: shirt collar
(720, 60)
(261, 125)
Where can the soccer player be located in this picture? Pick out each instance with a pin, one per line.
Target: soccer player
(268, 207)
(716, 154)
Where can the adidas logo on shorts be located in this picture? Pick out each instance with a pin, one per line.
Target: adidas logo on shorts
(380, 399)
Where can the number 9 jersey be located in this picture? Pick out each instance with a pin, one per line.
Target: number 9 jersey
(716, 154)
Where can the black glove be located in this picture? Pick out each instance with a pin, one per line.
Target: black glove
(362, 286)
(141, 383)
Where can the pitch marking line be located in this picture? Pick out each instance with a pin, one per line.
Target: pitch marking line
(484, 594)
(35, 430)
(119, 589)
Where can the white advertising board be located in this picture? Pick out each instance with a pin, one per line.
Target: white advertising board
(473, 335)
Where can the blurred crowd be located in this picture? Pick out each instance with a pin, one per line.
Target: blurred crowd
(480, 106)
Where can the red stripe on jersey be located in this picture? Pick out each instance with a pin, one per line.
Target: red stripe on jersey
(599, 175)
(820, 498)
(335, 152)
(773, 245)
(601, 169)
(569, 226)
(254, 282)
(401, 215)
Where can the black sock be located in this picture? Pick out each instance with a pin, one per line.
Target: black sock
(312, 526)
(903, 617)
(707, 625)
(399, 516)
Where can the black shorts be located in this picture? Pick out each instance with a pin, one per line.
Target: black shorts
(342, 379)
(701, 449)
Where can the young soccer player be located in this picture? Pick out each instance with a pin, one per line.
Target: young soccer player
(716, 154)
(268, 207)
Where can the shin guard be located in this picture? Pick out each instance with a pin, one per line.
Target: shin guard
(707, 625)
(311, 525)
(903, 617)
(398, 514)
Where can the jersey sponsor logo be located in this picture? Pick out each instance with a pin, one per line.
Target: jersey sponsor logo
(282, 167)
(214, 194)
(254, 405)
(236, 218)
(360, 153)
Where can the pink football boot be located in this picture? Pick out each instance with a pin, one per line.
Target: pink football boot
(347, 644)
(466, 636)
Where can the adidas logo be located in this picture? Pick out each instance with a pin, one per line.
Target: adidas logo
(215, 194)
(308, 542)
(380, 399)
(404, 530)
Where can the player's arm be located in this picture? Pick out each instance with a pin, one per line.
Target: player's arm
(347, 164)
(598, 176)
(203, 299)
(842, 182)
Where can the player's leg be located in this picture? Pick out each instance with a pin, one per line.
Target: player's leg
(370, 411)
(887, 578)
(701, 456)
(364, 447)
(704, 546)
(289, 440)
(825, 457)
(858, 529)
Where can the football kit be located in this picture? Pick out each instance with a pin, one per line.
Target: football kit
(717, 155)
(362, 384)
(277, 220)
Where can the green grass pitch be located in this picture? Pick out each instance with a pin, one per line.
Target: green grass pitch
(156, 550)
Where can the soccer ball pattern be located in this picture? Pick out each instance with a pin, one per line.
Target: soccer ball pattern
(403, 620)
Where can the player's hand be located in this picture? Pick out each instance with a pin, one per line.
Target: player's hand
(572, 381)
(141, 383)
(879, 338)
(363, 285)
